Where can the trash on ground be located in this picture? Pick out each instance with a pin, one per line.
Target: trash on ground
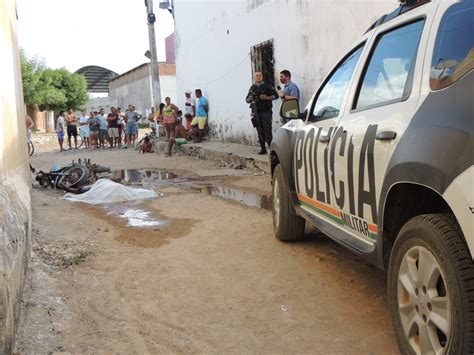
(106, 191)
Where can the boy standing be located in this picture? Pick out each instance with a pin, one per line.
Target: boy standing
(60, 123)
(84, 127)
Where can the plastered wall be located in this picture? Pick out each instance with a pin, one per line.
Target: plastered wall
(15, 205)
(213, 41)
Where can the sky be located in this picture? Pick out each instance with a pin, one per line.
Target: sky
(74, 33)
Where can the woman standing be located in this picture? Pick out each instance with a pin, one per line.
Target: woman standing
(169, 120)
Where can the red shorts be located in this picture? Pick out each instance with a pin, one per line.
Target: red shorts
(169, 119)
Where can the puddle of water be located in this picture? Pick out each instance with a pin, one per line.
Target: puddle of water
(157, 178)
(246, 198)
(135, 216)
(141, 177)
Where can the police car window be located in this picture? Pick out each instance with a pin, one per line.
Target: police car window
(386, 78)
(453, 55)
(329, 101)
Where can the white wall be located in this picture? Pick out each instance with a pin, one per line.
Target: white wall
(213, 41)
(135, 92)
(168, 88)
(15, 179)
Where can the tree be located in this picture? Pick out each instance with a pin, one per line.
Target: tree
(52, 89)
(30, 69)
(50, 95)
(75, 87)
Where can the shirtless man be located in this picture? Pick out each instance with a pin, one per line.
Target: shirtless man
(71, 128)
(151, 119)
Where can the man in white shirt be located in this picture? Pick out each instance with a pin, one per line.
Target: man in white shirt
(84, 127)
(189, 108)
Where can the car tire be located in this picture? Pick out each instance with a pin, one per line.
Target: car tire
(288, 226)
(431, 287)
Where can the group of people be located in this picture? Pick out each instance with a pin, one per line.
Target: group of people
(99, 128)
(169, 115)
(260, 97)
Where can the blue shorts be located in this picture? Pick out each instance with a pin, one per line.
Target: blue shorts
(131, 128)
(60, 135)
(104, 133)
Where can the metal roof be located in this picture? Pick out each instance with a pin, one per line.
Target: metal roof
(97, 77)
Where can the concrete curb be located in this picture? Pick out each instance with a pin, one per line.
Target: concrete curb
(230, 153)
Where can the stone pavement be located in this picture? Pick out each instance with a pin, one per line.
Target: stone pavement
(230, 153)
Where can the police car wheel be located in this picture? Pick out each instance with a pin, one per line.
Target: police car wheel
(288, 226)
(431, 287)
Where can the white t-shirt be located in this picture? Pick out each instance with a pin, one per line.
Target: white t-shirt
(84, 128)
(60, 124)
(189, 108)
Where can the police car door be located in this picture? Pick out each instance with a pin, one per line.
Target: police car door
(311, 160)
(379, 108)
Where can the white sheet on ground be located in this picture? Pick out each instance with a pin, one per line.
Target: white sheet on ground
(107, 191)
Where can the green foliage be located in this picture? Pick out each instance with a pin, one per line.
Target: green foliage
(50, 95)
(30, 69)
(52, 89)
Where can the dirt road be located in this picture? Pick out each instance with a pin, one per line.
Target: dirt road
(209, 277)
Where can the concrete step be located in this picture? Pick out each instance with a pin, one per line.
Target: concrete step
(230, 153)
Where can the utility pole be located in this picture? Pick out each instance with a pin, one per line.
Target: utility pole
(155, 79)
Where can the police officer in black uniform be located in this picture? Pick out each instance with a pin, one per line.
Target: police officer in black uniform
(260, 97)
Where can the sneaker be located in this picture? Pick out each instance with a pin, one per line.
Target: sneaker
(262, 152)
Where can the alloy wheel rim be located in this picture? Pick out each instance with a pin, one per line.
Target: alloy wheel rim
(276, 204)
(423, 301)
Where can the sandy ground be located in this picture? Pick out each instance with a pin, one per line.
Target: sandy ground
(212, 279)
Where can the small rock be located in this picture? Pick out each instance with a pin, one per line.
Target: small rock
(106, 229)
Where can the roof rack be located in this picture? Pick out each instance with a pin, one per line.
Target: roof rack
(405, 6)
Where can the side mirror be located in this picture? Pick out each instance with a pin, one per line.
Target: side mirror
(290, 109)
(328, 112)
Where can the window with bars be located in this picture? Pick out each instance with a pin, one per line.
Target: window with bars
(262, 60)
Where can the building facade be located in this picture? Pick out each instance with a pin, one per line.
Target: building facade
(220, 44)
(134, 87)
(15, 203)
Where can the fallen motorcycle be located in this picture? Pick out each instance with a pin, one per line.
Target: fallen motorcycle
(75, 177)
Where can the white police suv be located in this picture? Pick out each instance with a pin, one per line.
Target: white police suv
(381, 160)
